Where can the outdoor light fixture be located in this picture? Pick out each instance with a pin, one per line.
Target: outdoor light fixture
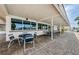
(26, 18)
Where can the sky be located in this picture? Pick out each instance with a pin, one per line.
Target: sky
(72, 11)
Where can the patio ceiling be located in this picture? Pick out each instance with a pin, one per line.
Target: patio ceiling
(35, 11)
(3, 14)
(58, 20)
(38, 12)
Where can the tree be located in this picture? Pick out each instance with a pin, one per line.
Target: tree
(13, 26)
(77, 19)
(74, 28)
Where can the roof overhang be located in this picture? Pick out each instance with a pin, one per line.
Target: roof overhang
(38, 12)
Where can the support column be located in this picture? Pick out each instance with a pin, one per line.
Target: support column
(36, 26)
(60, 28)
(52, 28)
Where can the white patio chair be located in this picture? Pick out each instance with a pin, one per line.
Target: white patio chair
(12, 39)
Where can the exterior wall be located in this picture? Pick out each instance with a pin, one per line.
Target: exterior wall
(17, 32)
(67, 28)
(2, 27)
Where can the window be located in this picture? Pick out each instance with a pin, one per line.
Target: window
(42, 26)
(26, 25)
(55, 28)
(16, 24)
(49, 28)
(33, 25)
(39, 26)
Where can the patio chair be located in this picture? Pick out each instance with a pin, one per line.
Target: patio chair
(26, 38)
(12, 39)
(35, 35)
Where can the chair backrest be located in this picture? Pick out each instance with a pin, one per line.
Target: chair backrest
(11, 36)
(27, 37)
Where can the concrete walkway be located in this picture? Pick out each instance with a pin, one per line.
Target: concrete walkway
(66, 44)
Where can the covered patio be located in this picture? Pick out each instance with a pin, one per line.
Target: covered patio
(49, 14)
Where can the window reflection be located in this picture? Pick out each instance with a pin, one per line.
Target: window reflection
(16, 24)
(42, 26)
(49, 28)
(33, 25)
(39, 26)
(26, 25)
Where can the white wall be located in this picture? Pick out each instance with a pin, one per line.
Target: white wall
(17, 32)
